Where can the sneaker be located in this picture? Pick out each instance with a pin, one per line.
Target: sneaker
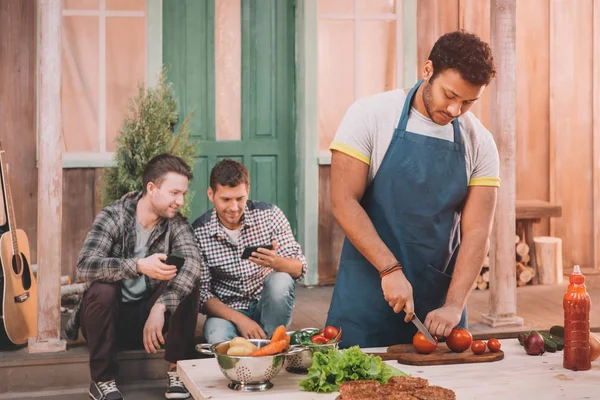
(105, 391)
(176, 389)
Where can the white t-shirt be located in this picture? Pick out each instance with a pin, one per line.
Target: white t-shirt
(367, 128)
(234, 235)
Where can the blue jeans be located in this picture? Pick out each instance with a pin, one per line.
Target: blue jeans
(273, 309)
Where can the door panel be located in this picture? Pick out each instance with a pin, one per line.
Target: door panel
(267, 145)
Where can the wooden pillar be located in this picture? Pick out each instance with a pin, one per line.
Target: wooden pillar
(503, 289)
(49, 180)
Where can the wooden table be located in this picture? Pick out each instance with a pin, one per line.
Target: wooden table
(528, 212)
(517, 376)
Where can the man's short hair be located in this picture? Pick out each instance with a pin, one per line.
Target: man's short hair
(228, 172)
(159, 166)
(466, 53)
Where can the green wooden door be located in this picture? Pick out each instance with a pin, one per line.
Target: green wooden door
(267, 143)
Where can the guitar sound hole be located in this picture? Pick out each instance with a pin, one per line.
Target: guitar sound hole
(17, 263)
(26, 277)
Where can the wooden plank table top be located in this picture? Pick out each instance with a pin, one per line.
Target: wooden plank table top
(517, 376)
(536, 209)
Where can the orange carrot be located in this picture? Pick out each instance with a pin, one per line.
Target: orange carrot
(272, 348)
(279, 333)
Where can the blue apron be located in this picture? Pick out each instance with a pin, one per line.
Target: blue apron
(414, 202)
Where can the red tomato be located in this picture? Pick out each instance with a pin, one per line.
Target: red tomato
(330, 332)
(459, 340)
(478, 347)
(494, 345)
(319, 339)
(422, 345)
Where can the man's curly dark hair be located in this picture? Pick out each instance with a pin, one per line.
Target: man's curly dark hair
(466, 53)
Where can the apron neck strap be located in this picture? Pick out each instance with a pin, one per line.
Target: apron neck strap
(406, 109)
(456, 128)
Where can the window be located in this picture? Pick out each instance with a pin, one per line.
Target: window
(360, 48)
(103, 61)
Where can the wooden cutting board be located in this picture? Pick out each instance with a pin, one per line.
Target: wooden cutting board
(406, 354)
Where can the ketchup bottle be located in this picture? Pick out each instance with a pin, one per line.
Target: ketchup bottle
(576, 302)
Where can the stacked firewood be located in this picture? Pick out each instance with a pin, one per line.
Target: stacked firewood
(69, 292)
(525, 272)
(483, 279)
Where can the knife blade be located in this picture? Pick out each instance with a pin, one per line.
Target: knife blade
(422, 329)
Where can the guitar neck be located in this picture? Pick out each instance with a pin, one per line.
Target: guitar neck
(12, 225)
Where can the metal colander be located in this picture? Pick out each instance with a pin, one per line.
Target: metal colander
(248, 373)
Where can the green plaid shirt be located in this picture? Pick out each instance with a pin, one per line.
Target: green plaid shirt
(107, 254)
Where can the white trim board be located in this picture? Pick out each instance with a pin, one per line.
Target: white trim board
(88, 160)
(154, 41)
(307, 137)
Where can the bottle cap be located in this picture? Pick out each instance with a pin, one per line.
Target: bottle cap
(576, 277)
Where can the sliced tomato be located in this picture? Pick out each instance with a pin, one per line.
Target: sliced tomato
(319, 339)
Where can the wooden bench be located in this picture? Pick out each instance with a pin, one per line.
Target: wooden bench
(529, 212)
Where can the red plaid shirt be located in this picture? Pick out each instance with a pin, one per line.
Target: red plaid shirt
(234, 281)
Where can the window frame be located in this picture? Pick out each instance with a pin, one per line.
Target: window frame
(153, 61)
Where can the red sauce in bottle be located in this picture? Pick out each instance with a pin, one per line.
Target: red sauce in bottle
(576, 302)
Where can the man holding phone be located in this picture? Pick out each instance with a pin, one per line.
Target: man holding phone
(143, 265)
(252, 257)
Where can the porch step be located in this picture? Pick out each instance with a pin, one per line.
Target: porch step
(24, 372)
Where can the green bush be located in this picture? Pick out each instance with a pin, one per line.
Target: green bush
(148, 130)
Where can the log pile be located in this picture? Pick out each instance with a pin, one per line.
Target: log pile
(525, 272)
(69, 292)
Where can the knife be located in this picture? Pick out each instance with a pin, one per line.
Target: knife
(422, 329)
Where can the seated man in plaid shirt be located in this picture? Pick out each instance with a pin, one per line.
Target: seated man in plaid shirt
(132, 290)
(252, 297)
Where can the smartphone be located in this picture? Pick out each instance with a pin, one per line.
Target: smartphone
(176, 260)
(251, 249)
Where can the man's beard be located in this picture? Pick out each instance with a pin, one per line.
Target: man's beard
(428, 99)
(428, 103)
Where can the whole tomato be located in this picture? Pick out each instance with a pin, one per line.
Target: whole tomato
(459, 340)
(494, 345)
(478, 347)
(422, 345)
(330, 332)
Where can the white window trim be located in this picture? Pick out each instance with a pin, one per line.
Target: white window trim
(104, 158)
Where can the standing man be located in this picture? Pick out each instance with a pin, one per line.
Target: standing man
(134, 297)
(245, 297)
(413, 185)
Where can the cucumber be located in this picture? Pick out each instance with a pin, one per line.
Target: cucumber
(560, 342)
(522, 337)
(549, 344)
(557, 331)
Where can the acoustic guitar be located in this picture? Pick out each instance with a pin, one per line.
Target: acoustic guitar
(19, 288)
